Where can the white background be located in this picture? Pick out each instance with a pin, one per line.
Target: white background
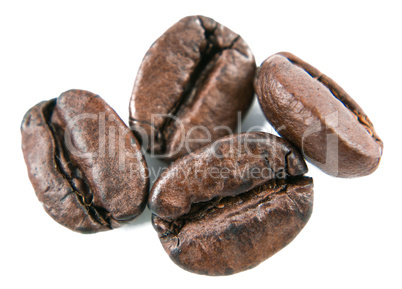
(353, 239)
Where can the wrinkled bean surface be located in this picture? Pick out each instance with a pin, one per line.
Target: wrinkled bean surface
(192, 84)
(84, 163)
(232, 204)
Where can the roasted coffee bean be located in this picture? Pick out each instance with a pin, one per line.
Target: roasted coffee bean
(193, 84)
(232, 204)
(84, 163)
(313, 112)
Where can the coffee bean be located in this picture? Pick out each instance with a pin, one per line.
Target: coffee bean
(84, 163)
(232, 204)
(191, 85)
(313, 112)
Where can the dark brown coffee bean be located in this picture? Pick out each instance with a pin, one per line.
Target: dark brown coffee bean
(192, 82)
(313, 112)
(84, 163)
(232, 204)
